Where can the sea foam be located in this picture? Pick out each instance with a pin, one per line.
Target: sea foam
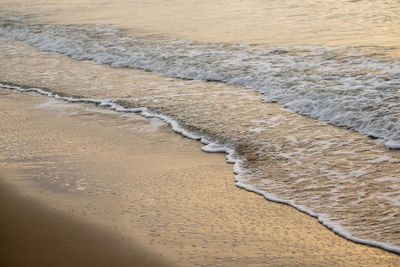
(215, 147)
(342, 85)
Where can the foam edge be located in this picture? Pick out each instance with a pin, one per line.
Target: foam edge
(215, 147)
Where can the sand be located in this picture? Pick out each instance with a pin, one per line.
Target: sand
(32, 234)
(97, 184)
(332, 23)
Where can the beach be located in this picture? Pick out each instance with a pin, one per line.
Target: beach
(130, 186)
(213, 133)
(33, 234)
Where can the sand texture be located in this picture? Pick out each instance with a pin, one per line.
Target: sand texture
(32, 234)
(138, 184)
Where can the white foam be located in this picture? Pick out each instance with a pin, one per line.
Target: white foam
(342, 86)
(215, 148)
(392, 144)
(322, 218)
(238, 170)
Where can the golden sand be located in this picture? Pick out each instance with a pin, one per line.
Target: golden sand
(137, 180)
(305, 22)
(35, 235)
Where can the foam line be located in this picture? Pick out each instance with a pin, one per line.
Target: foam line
(213, 147)
(344, 86)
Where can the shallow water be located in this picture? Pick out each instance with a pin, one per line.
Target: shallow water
(334, 62)
(272, 22)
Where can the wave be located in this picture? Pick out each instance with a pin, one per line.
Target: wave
(345, 86)
(316, 174)
(232, 157)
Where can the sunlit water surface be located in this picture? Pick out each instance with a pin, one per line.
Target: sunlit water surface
(220, 67)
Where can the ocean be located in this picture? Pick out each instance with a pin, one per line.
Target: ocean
(303, 96)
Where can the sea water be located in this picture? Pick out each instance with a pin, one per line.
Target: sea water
(303, 96)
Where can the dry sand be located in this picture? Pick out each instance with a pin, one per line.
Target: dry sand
(112, 184)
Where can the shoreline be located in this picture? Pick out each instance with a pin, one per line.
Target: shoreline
(292, 147)
(280, 229)
(209, 147)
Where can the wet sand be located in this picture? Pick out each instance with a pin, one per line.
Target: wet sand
(293, 147)
(33, 234)
(333, 23)
(142, 188)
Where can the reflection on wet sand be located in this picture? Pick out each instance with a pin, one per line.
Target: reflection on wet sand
(314, 165)
(139, 181)
(337, 23)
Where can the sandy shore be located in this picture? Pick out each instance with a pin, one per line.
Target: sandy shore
(96, 181)
(34, 235)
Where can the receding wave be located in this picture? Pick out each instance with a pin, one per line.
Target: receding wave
(215, 147)
(344, 86)
(328, 172)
